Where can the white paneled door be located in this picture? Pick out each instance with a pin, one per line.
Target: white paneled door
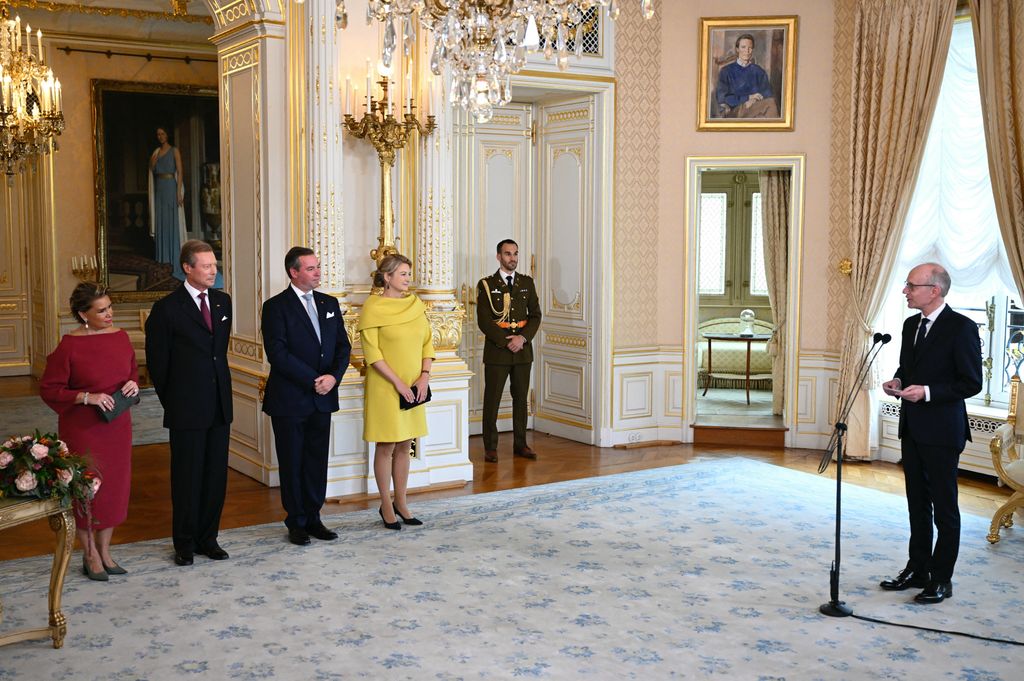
(495, 178)
(566, 277)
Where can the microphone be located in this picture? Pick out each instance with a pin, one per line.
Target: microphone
(886, 338)
(878, 339)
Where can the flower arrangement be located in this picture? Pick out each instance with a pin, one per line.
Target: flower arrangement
(41, 466)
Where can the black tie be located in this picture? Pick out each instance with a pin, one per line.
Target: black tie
(921, 331)
(509, 280)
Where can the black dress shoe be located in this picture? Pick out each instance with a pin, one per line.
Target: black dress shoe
(908, 579)
(407, 521)
(183, 558)
(213, 552)
(491, 456)
(299, 537)
(321, 532)
(114, 569)
(391, 526)
(935, 592)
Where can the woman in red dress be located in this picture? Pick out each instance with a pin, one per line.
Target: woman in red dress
(88, 366)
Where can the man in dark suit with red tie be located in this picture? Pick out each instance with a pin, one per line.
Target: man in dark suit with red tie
(940, 367)
(308, 350)
(186, 355)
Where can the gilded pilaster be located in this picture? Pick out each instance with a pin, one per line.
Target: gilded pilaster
(324, 171)
(435, 251)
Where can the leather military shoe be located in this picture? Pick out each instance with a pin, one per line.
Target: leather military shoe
(213, 552)
(525, 453)
(935, 592)
(491, 456)
(321, 532)
(908, 579)
(182, 558)
(299, 537)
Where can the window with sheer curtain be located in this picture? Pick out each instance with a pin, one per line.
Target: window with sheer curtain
(952, 221)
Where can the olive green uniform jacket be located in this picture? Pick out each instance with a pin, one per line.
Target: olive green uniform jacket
(525, 310)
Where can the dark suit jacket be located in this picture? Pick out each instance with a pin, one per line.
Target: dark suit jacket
(525, 308)
(297, 357)
(188, 364)
(948, 361)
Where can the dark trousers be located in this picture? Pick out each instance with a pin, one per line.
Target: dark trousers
(199, 479)
(302, 447)
(930, 476)
(495, 376)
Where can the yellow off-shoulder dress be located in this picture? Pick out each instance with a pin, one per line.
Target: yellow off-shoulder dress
(395, 330)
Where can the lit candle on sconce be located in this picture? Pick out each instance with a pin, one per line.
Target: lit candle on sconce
(39, 45)
(28, 40)
(408, 92)
(348, 94)
(369, 88)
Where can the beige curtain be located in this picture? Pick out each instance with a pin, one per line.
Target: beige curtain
(899, 54)
(998, 30)
(775, 200)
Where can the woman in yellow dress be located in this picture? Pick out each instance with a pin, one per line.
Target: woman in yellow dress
(398, 349)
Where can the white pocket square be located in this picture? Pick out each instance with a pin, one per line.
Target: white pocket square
(330, 314)
(224, 319)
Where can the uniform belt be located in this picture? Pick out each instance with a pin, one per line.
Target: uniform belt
(164, 176)
(511, 325)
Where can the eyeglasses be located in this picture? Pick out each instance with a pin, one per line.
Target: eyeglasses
(907, 284)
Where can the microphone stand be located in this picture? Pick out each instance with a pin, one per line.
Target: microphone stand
(836, 607)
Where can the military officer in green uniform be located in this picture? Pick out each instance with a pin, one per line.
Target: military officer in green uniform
(508, 314)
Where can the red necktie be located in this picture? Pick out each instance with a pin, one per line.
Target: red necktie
(205, 309)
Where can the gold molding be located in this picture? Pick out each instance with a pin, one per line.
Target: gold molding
(574, 305)
(547, 416)
(228, 32)
(566, 76)
(140, 14)
(507, 120)
(573, 115)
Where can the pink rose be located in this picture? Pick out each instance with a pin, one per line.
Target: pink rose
(5, 458)
(40, 451)
(8, 444)
(95, 485)
(26, 481)
(26, 438)
(65, 476)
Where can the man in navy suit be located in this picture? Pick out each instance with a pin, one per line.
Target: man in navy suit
(308, 350)
(186, 354)
(940, 366)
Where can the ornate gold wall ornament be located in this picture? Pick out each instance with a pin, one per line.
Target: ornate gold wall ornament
(143, 15)
(575, 151)
(247, 349)
(261, 388)
(570, 341)
(246, 58)
(445, 325)
(496, 151)
(8, 307)
(574, 305)
(574, 115)
(514, 121)
(845, 266)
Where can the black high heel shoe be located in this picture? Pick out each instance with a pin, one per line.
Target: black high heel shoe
(100, 576)
(407, 521)
(391, 526)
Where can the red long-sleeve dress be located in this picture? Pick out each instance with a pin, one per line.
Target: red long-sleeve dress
(98, 363)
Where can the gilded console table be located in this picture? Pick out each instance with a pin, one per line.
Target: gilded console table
(15, 511)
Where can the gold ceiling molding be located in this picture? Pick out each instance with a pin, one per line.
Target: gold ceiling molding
(114, 11)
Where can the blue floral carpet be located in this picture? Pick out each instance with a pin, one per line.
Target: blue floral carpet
(713, 569)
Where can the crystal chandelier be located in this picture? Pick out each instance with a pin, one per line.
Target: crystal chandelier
(30, 100)
(484, 42)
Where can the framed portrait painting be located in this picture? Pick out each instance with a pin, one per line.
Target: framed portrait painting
(157, 156)
(747, 73)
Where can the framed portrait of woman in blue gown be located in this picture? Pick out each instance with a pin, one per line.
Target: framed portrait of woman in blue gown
(157, 179)
(747, 73)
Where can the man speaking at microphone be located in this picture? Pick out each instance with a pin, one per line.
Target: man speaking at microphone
(940, 366)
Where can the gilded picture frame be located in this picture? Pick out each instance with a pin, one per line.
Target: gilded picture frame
(131, 206)
(747, 77)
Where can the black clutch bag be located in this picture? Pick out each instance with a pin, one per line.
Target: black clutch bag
(406, 404)
(121, 405)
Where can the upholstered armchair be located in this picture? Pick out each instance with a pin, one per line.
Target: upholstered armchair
(730, 359)
(1008, 463)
